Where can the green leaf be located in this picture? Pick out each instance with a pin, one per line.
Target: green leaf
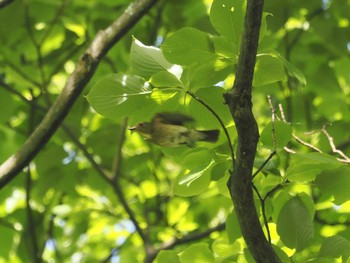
(148, 60)
(119, 96)
(129, 255)
(335, 246)
(292, 70)
(167, 256)
(227, 17)
(225, 252)
(219, 170)
(225, 48)
(305, 167)
(197, 177)
(208, 73)
(188, 46)
(268, 69)
(6, 238)
(8, 106)
(213, 96)
(294, 224)
(197, 253)
(233, 229)
(335, 182)
(195, 159)
(276, 136)
(165, 79)
(263, 26)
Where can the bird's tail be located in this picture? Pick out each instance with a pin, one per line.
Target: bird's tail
(209, 135)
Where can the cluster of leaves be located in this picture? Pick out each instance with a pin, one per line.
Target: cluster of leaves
(97, 192)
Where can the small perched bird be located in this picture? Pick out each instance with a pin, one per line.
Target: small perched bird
(168, 130)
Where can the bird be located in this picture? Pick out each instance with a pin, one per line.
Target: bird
(168, 129)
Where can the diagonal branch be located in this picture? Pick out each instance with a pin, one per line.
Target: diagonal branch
(240, 104)
(191, 237)
(4, 3)
(82, 74)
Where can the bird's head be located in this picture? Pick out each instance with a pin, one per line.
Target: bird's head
(143, 128)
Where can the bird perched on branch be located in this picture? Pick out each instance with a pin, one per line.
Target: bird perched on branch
(169, 130)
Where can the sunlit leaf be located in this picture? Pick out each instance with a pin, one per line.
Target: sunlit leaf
(165, 79)
(195, 182)
(226, 252)
(268, 69)
(197, 253)
(188, 46)
(148, 60)
(227, 17)
(177, 208)
(119, 96)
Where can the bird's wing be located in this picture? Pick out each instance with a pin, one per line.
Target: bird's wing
(172, 118)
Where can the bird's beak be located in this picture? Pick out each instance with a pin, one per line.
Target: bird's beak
(132, 129)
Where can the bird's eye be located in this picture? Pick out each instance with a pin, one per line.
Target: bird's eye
(141, 124)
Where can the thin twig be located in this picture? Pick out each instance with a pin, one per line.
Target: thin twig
(262, 202)
(288, 150)
(309, 145)
(273, 113)
(272, 190)
(13, 91)
(32, 226)
(20, 72)
(263, 164)
(299, 140)
(116, 166)
(345, 158)
(191, 237)
(85, 152)
(208, 107)
(37, 46)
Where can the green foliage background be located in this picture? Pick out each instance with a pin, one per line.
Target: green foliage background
(65, 206)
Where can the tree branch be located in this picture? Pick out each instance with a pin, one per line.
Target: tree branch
(191, 237)
(4, 3)
(82, 74)
(239, 102)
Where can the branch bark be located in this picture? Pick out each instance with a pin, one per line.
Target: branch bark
(83, 72)
(4, 3)
(240, 104)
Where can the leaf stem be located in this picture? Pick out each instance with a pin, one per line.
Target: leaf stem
(209, 108)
